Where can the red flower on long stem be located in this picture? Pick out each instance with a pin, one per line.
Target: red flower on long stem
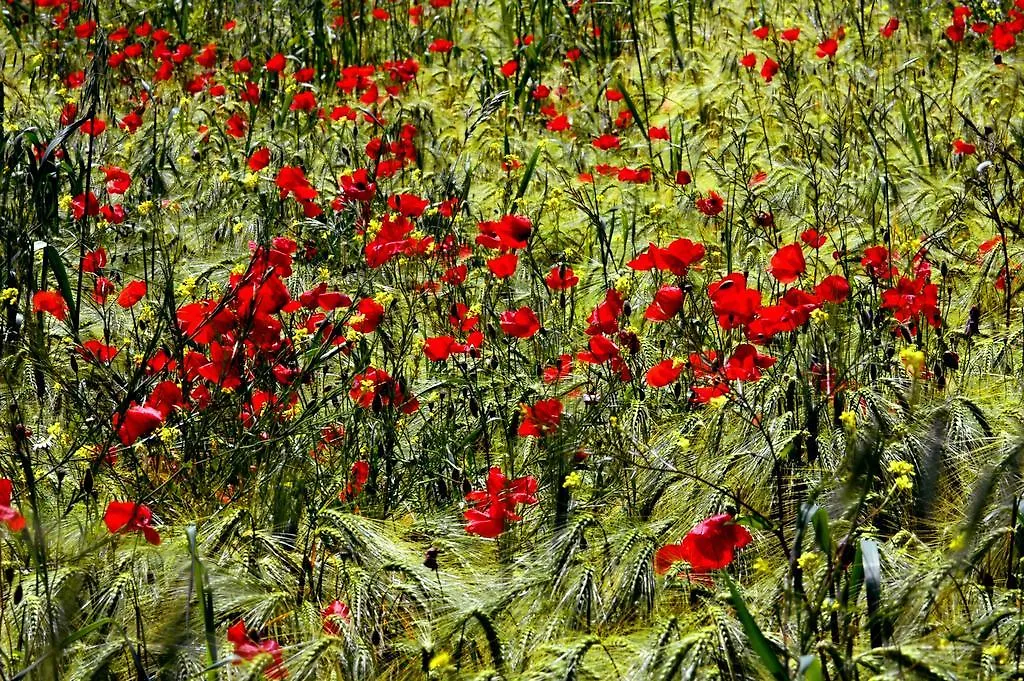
(128, 516)
(495, 507)
(711, 545)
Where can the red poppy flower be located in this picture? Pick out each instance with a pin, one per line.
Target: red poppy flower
(521, 323)
(85, 204)
(1003, 37)
(128, 516)
(711, 545)
(746, 364)
(374, 388)
(749, 60)
(664, 373)
(677, 258)
(440, 45)
(409, 205)
(504, 266)
(509, 68)
(559, 123)
(769, 69)
(813, 238)
(734, 303)
(8, 515)
(788, 264)
(833, 288)
(561, 369)
(117, 179)
(52, 302)
(878, 262)
(137, 422)
(333, 615)
(911, 298)
(292, 179)
(604, 318)
(303, 101)
(606, 142)
(541, 419)
(890, 27)
(367, 317)
(93, 261)
(683, 178)
(132, 293)
(761, 32)
(495, 507)
(666, 304)
(259, 159)
(276, 63)
(711, 205)
(561, 278)
(791, 34)
(963, 148)
(94, 127)
(246, 649)
(96, 351)
(827, 48)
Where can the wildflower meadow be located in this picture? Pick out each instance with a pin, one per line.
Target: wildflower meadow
(525, 340)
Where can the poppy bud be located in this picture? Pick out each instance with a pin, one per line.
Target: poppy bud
(9, 575)
(764, 219)
(973, 322)
(677, 389)
(627, 309)
(951, 360)
(430, 560)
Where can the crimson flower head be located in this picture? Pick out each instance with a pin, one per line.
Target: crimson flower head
(878, 262)
(333, 615)
(52, 302)
(791, 34)
(666, 304)
(677, 258)
(734, 303)
(8, 515)
(132, 293)
(521, 323)
(246, 649)
(711, 545)
(561, 278)
(827, 48)
(788, 264)
(138, 421)
(292, 179)
(374, 388)
(769, 69)
(117, 179)
(259, 159)
(495, 507)
(541, 419)
(711, 205)
(962, 148)
(664, 373)
(128, 516)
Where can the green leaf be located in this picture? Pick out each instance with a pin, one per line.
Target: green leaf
(758, 641)
(871, 562)
(63, 282)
